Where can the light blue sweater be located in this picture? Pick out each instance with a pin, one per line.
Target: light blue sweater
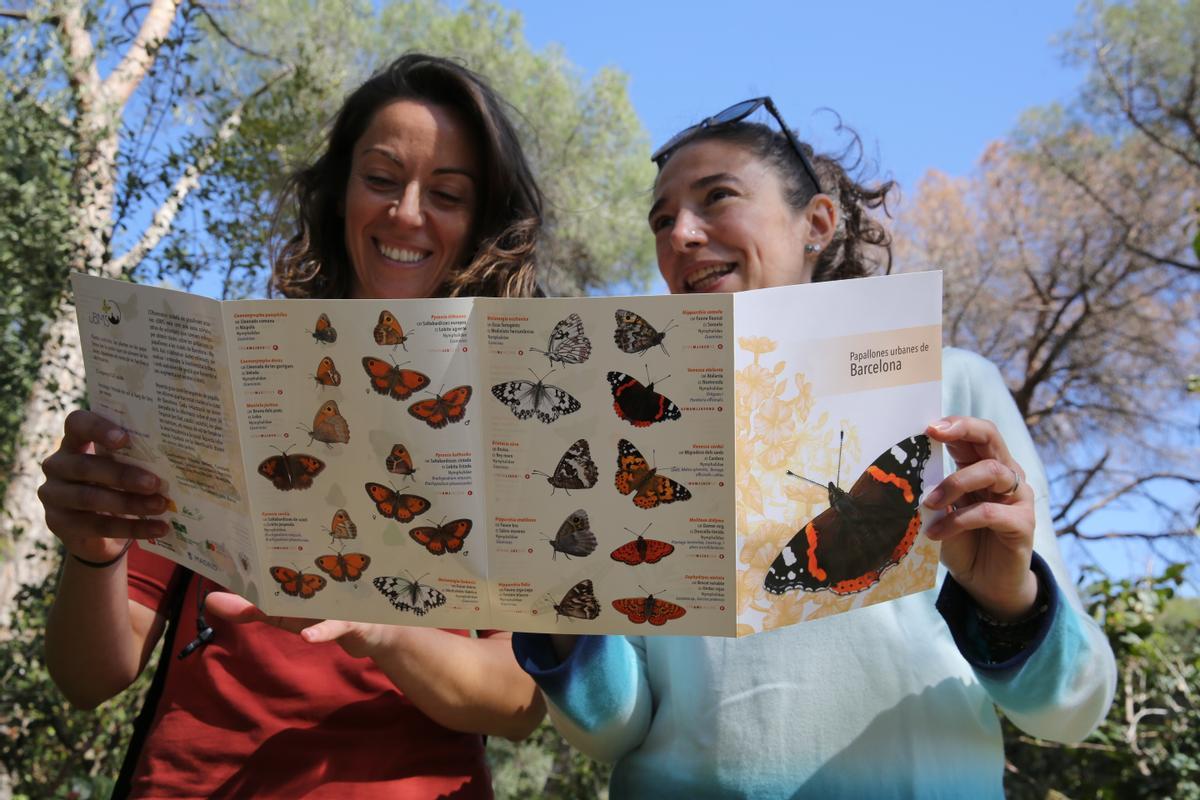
(879, 702)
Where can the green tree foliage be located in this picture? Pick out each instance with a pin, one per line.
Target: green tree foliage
(1149, 746)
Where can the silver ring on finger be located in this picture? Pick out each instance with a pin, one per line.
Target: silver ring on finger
(1016, 484)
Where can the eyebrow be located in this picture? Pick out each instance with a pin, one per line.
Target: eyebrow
(438, 171)
(699, 183)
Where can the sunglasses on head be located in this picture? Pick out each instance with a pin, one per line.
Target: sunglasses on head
(734, 114)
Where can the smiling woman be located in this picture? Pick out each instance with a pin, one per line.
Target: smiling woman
(422, 190)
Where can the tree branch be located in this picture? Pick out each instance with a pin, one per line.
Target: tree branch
(121, 83)
(164, 217)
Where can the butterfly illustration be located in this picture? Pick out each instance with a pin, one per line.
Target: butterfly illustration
(291, 471)
(325, 332)
(392, 504)
(574, 537)
(444, 408)
(388, 330)
(567, 343)
(298, 584)
(635, 476)
(409, 595)
(642, 550)
(344, 566)
(575, 470)
(872, 527)
(392, 380)
(648, 609)
(329, 426)
(441, 539)
(638, 404)
(578, 603)
(399, 461)
(327, 374)
(342, 527)
(527, 398)
(636, 335)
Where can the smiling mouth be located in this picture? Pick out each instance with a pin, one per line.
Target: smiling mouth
(705, 277)
(401, 254)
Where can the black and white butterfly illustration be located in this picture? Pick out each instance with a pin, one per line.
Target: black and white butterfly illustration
(575, 470)
(409, 595)
(578, 603)
(635, 335)
(530, 398)
(574, 537)
(567, 343)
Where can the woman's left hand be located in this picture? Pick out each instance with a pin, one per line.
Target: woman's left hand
(358, 639)
(987, 532)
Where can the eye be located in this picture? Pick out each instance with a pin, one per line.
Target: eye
(661, 222)
(450, 198)
(379, 181)
(719, 193)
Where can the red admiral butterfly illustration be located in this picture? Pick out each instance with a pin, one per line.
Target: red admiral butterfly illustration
(441, 539)
(636, 335)
(636, 477)
(444, 408)
(864, 531)
(295, 471)
(574, 537)
(407, 594)
(648, 609)
(575, 470)
(527, 398)
(578, 603)
(640, 405)
(642, 550)
(567, 343)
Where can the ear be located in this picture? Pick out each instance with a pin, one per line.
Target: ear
(822, 216)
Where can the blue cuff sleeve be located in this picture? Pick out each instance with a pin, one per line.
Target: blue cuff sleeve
(960, 612)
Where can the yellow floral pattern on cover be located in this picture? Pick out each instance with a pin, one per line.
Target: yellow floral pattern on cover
(778, 431)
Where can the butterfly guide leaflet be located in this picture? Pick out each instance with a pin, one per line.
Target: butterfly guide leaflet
(582, 465)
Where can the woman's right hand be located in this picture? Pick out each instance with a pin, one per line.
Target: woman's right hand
(93, 502)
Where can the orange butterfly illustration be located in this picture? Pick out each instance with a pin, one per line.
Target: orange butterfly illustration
(342, 527)
(390, 379)
(329, 426)
(439, 539)
(298, 584)
(392, 504)
(399, 461)
(642, 550)
(449, 407)
(388, 330)
(295, 471)
(648, 609)
(327, 374)
(635, 476)
(344, 566)
(325, 332)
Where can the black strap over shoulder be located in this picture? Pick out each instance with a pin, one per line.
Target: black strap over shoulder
(177, 590)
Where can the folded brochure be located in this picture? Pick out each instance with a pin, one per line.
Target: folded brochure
(717, 464)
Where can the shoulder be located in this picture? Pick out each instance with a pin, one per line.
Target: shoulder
(971, 384)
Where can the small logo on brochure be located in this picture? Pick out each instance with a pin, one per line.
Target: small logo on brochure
(108, 315)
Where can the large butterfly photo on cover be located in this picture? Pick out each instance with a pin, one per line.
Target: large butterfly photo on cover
(567, 343)
(535, 398)
(575, 470)
(865, 531)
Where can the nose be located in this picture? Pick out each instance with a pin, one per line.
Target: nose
(407, 209)
(687, 233)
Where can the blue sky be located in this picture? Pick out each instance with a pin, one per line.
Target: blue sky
(926, 85)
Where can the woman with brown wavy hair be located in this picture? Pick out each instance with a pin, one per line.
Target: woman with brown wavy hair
(421, 191)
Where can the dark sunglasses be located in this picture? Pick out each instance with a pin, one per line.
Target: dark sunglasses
(736, 113)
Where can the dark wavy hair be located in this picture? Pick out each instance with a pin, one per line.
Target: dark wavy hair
(313, 261)
(860, 243)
